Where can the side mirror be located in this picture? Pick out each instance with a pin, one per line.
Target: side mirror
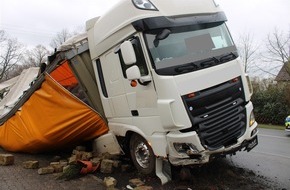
(133, 73)
(128, 53)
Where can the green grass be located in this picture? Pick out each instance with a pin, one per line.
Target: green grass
(277, 127)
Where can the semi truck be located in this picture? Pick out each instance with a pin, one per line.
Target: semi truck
(167, 78)
(169, 82)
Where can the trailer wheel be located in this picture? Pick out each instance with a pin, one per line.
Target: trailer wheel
(142, 154)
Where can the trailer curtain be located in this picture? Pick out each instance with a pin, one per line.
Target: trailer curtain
(64, 75)
(51, 119)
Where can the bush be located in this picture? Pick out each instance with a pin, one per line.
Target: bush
(271, 105)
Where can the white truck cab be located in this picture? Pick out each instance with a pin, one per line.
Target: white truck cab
(170, 81)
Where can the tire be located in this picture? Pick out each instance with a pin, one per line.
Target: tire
(142, 155)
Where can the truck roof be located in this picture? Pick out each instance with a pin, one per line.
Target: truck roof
(125, 12)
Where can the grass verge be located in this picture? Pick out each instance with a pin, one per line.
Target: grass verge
(277, 127)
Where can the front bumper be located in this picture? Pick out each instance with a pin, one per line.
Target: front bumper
(201, 155)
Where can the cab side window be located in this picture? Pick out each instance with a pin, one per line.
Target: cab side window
(140, 60)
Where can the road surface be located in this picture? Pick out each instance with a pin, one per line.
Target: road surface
(271, 158)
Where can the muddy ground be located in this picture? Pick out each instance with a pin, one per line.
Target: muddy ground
(220, 174)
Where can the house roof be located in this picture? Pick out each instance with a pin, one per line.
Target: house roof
(283, 75)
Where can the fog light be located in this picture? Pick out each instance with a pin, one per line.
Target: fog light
(254, 132)
(252, 119)
(144, 4)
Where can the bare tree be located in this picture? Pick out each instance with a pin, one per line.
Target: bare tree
(60, 38)
(2, 37)
(36, 56)
(64, 35)
(277, 49)
(10, 54)
(247, 50)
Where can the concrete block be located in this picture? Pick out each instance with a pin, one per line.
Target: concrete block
(6, 159)
(73, 159)
(110, 182)
(107, 166)
(78, 154)
(117, 163)
(30, 164)
(87, 156)
(45, 170)
(57, 167)
(136, 182)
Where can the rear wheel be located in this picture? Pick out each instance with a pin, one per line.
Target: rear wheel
(142, 154)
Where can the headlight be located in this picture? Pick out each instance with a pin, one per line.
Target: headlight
(252, 119)
(144, 4)
(249, 85)
(185, 148)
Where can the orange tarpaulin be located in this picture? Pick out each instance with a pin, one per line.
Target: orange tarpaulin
(51, 119)
(64, 75)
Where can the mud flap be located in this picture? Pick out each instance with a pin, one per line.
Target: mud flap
(163, 170)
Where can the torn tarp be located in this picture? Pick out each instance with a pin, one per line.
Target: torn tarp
(52, 118)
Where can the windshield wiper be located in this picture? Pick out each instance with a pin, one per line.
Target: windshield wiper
(196, 66)
(187, 68)
(209, 63)
(228, 57)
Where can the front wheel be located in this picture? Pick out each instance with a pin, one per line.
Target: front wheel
(142, 154)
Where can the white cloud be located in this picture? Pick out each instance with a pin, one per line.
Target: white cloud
(37, 21)
(258, 17)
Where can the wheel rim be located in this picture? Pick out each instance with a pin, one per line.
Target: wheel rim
(142, 155)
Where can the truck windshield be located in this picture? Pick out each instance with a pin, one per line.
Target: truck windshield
(190, 48)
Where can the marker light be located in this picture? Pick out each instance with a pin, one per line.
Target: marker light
(191, 95)
(133, 83)
(235, 80)
(249, 84)
(144, 4)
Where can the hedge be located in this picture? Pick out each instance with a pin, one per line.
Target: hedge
(271, 105)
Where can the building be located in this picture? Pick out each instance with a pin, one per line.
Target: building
(283, 75)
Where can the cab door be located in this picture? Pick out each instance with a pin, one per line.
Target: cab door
(141, 96)
(112, 83)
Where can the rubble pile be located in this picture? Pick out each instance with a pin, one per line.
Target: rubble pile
(82, 162)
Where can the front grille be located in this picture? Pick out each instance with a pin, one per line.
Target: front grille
(218, 114)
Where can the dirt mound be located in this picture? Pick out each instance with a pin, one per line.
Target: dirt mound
(219, 174)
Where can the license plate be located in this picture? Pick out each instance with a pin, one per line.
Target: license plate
(252, 144)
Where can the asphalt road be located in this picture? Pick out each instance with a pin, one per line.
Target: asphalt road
(271, 158)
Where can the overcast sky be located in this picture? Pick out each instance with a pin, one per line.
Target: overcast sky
(35, 22)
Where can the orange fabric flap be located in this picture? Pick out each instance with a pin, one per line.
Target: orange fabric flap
(51, 119)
